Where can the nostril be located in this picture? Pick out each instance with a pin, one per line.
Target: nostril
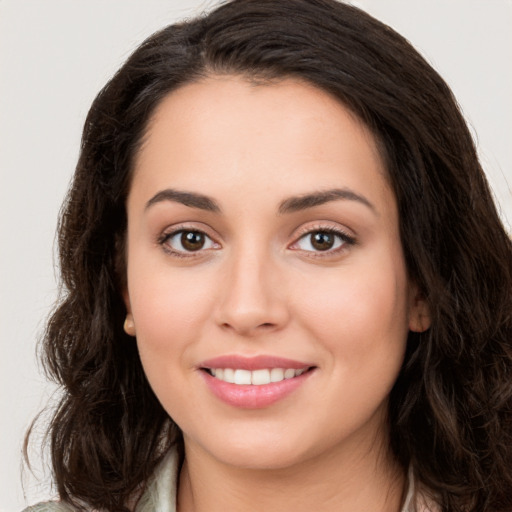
(265, 325)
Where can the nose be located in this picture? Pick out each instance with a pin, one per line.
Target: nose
(253, 297)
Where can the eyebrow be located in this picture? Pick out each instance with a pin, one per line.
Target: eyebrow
(290, 205)
(192, 199)
(303, 202)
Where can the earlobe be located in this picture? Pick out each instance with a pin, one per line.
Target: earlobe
(129, 325)
(419, 316)
(129, 322)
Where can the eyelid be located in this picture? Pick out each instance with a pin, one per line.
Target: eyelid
(343, 233)
(174, 230)
(328, 226)
(346, 235)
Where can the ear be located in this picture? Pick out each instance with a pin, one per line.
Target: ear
(419, 311)
(129, 325)
(129, 322)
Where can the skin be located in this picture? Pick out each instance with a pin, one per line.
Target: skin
(258, 286)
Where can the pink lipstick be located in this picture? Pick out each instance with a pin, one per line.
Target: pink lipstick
(253, 382)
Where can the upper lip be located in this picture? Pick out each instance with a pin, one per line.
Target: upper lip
(253, 363)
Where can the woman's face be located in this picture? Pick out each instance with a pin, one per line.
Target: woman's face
(265, 273)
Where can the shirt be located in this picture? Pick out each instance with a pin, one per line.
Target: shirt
(160, 494)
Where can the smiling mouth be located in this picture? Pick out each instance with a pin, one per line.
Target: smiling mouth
(255, 382)
(258, 377)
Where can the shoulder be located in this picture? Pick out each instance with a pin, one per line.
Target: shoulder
(161, 490)
(49, 506)
(160, 494)
(418, 498)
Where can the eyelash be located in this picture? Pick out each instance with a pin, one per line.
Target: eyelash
(166, 236)
(346, 241)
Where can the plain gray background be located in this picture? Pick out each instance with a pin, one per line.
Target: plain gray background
(56, 55)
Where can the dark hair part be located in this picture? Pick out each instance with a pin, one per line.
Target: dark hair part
(451, 408)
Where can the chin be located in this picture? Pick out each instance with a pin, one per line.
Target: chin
(262, 458)
(264, 450)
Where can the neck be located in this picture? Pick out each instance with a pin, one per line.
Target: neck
(340, 482)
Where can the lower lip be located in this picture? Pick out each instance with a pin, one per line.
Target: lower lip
(253, 397)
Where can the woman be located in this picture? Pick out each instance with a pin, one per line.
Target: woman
(287, 283)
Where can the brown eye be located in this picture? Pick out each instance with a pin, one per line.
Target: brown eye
(187, 241)
(322, 241)
(192, 240)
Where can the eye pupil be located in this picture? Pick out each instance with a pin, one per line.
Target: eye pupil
(322, 241)
(192, 240)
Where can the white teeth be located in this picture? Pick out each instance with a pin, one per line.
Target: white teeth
(255, 377)
(289, 373)
(276, 375)
(260, 377)
(229, 375)
(242, 377)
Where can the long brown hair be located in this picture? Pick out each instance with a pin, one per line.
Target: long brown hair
(451, 408)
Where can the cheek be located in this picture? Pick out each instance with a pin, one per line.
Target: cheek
(169, 307)
(170, 313)
(361, 312)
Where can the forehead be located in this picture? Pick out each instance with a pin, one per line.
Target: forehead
(226, 131)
